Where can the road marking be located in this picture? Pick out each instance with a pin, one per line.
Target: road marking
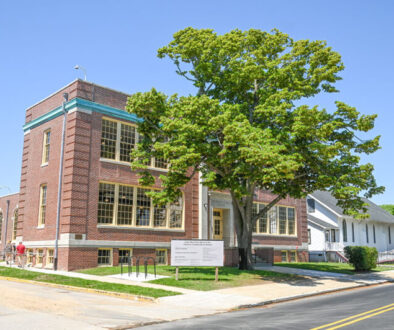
(326, 326)
(361, 318)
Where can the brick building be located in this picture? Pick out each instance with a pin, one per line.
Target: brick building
(104, 214)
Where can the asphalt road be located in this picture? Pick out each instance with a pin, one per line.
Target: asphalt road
(368, 308)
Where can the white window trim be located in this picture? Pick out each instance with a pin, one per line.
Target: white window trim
(111, 257)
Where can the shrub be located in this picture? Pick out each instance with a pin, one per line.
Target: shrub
(361, 257)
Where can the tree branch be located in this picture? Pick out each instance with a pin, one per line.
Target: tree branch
(267, 208)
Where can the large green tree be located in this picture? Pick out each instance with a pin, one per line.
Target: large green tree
(246, 128)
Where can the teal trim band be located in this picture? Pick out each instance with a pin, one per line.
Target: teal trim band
(82, 104)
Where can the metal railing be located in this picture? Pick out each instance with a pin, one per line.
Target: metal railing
(137, 265)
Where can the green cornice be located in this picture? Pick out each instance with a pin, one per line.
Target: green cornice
(81, 104)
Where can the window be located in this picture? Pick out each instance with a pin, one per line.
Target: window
(1, 223)
(279, 220)
(108, 139)
(161, 256)
(106, 203)
(143, 208)
(344, 230)
(50, 258)
(15, 227)
(43, 205)
(389, 235)
(124, 254)
(45, 146)
(39, 257)
(104, 257)
(366, 233)
(293, 256)
(283, 256)
(333, 235)
(309, 237)
(125, 205)
(30, 254)
(374, 234)
(121, 205)
(327, 236)
(311, 205)
(118, 139)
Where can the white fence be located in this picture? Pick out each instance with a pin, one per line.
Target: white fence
(386, 256)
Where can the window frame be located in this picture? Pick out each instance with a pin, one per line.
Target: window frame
(39, 257)
(46, 147)
(152, 207)
(15, 225)
(285, 252)
(117, 159)
(49, 264)
(165, 256)
(41, 213)
(295, 256)
(311, 205)
(130, 250)
(344, 230)
(275, 209)
(110, 257)
(309, 236)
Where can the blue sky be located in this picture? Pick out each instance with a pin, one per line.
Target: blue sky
(116, 41)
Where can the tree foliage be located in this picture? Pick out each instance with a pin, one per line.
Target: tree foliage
(388, 207)
(246, 129)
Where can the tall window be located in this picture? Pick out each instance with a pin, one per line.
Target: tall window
(279, 220)
(389, 235)
(352, 232)
(309, 237)
(1, 223)
(366, 233)
(344, 230)
(121, 205)
(119, 139)
(374, 234)
(43, 205)
(14, 229)
(311, 205)
(49, 258)
(45, 146)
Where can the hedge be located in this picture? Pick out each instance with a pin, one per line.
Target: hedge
(362, 257)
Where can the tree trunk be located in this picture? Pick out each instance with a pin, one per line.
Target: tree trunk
(243, 228)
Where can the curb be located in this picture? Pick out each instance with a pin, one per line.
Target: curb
(312, 294)
(86, 290)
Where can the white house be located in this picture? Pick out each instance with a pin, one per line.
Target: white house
(329, 230)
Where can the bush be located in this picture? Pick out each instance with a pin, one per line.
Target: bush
(362, 257)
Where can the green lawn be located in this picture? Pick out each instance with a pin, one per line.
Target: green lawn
(334, 267)
(82, 283)
(203, 278)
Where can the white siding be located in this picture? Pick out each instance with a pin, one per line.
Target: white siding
(317, 238)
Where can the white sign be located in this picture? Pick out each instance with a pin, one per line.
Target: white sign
(197, 253)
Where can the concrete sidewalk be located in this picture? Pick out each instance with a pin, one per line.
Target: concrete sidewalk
(196, 303)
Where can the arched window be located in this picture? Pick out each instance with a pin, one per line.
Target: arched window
(374, 234)
(15, 224)
(352, 232)
(366, 233)
(344, 230)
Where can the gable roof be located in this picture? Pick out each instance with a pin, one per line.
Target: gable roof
(375, 211)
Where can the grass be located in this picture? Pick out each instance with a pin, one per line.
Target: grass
(203, 278)
(334, 267)
(82, 283)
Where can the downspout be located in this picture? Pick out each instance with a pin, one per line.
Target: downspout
(59, 191)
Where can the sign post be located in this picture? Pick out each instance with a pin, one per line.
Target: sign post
(208, 253)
